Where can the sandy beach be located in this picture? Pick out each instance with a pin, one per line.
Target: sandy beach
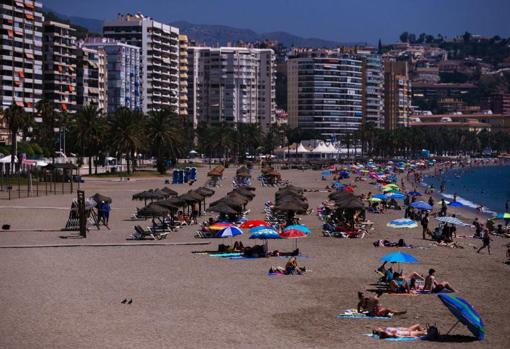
(70, 297)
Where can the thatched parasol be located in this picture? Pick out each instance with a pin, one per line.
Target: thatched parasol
(169, 192)
(98, 198)
(222, 208)
(205, 191)
(290, 206)
(153, 210)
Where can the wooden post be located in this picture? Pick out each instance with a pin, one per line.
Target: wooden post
(81, 213)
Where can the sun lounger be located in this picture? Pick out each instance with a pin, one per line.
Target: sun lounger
(141, 233)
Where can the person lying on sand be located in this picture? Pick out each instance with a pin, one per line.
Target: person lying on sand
(371, 306)
(291, 268)
(413, 331)
(433, 286)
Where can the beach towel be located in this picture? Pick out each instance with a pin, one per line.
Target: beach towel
(238, 258)
(428, 292)
(400, 339)
(226, 255)
(353, 314)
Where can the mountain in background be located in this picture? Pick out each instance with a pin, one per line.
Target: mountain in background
(217, 34)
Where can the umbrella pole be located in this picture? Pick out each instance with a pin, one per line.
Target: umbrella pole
(451, 328)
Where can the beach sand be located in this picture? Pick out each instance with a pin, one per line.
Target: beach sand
(71, 297)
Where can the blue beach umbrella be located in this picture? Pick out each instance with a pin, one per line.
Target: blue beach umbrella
(502, 216)
(396, 196)
(338, 185)
(398, 257)
(264, 233)
(229, 232)
(326, 173)
(421, 205)
(402, 223)
(380, 196)
(414, 193)
(455, 204)
(465, 313)
(299, 227)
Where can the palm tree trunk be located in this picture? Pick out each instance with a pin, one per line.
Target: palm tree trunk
(133, 160)
(128, 164)
(90, 165)
(13, 150)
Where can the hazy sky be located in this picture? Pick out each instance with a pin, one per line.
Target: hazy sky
(340, 20)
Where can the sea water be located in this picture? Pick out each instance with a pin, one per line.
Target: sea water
(488, 186)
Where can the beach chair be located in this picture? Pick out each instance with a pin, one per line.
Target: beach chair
(141, 233)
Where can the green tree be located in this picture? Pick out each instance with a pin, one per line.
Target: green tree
(16, 120)
(88, 130)
(126, 135)
(166, 134)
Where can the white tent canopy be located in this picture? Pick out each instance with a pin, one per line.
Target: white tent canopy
(301, 149)
(7, 159)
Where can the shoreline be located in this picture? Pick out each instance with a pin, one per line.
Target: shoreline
(470, 205)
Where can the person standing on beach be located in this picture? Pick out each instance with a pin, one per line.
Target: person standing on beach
(431, 201)
(425, 225)
(486, 239)
(444, 208)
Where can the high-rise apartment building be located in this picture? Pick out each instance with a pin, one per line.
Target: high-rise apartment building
(123, 75)
(159, 44)
(373, 88)
(21, 53)
(59, 65)
(231, 84)
(20, 56)
(397, 95)
(183, 76)
(325, 92)
(92, 78)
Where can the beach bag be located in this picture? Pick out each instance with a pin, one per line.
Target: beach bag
(432, 332)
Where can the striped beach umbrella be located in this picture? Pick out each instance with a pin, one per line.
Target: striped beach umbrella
(299, 227)
(229, 232)
(464, 313)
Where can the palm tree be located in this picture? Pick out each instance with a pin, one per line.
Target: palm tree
(51, 120)
(88, 130)
(126, 134)
(16, 120)
(166, 133)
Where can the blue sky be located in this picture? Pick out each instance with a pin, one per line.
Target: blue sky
(340, 20)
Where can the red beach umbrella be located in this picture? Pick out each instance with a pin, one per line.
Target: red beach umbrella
(254, 223)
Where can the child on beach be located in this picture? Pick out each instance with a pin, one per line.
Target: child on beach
(486, 239)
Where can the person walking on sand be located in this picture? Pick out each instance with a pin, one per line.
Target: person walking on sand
(425, 225)
(486, 239)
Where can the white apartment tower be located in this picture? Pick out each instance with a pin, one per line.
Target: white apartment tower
(92, 78)
(159, 44)
(325, 92)
(123, 76)
(59, 65)
(231, 84)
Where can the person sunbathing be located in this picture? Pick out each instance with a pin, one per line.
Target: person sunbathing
(413, 331)
(399, 284)
(372, 307)
(433, 286)
(291, 268)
